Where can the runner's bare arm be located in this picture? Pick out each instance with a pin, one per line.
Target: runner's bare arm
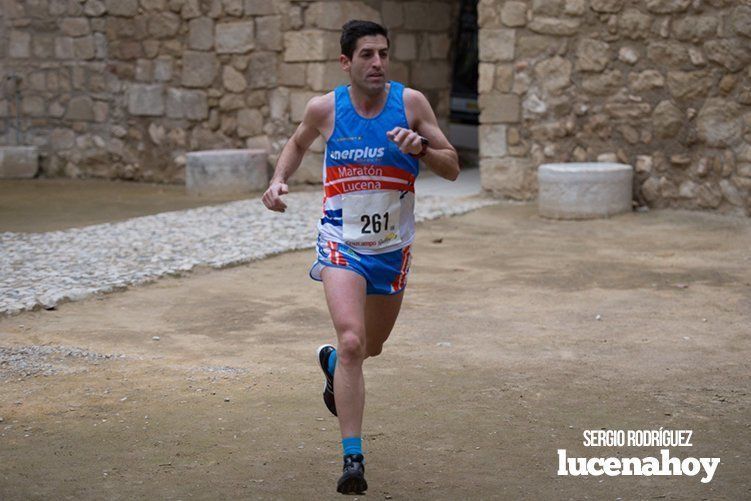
(314, 123)
(440, 156)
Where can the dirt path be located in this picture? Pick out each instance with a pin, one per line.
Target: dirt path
(497, 361)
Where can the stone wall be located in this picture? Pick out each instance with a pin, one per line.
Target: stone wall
(124, 88)
(664, 85)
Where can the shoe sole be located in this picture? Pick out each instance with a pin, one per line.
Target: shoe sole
(325, 375)
(352, 485)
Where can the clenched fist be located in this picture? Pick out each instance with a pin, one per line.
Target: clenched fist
(408, 141)
(272, 199)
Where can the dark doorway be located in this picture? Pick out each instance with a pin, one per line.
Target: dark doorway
(464, 108)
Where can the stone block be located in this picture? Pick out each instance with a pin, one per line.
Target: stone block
(667, 119)
(292, 74)
(695, 28)
(190, 104)
(392, 14)
(310, 45)
(279, 104)
(33, 106)
(249, 122)
(511, 177)
(75, 26)
(499, 108)
(94, 8)
(492, 140)
(146, 100)
(310, 170)
(233, 80)
(741, 20)
(439, 46)
(735, 55)
(646, 80)
(603, 84)
(64, 48)
(584, 190)
(201, 33)
(427, 16)
(554, 26)
(667, 6)
(496, 45)
(718, 123)
(259, 7)
(430, 75)
(405, 47)
(261, 71)
(18, 162)
(269, 33)
(199, 68)
(592, 55)
(125, 8)
(326, 76)
(83, 48)
(532, 46)
(634, 24)
(226, 172)
(554, 74)
(690, 84)
(298, 100)
(234, 38)
(607, 6)
(514, 14)
(20, 44)
(333, 15)
(80, 108)
(163, 69)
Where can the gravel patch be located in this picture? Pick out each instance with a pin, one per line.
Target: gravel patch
(44, 269)
(27, 361)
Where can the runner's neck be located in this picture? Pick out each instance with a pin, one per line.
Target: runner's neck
(368, 106)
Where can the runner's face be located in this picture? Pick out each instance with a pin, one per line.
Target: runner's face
(369, 64)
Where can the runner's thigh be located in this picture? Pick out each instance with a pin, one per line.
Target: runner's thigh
(345, 296)
(381, 312)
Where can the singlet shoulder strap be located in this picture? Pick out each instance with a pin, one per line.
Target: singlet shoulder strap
(341, 97)
(396, 94)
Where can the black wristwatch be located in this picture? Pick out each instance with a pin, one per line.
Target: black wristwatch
(424, 149)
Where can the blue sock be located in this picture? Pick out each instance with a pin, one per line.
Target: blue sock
(332, 363)
(352, 445)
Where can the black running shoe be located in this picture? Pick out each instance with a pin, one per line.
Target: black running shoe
(352, 480)
(328, 385)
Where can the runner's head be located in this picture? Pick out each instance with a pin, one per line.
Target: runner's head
(365, 51)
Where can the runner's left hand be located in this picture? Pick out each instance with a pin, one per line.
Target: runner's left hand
(407, 140)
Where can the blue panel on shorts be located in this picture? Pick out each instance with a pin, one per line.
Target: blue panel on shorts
(384, 273)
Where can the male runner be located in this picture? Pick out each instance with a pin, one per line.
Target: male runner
(375, 131)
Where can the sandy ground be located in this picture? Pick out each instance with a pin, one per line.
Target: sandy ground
(496, 362)
(57, 204)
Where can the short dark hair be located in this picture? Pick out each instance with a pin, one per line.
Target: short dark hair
(354, 30)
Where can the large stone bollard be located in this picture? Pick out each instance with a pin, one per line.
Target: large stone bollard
(226, 172)
(584, 190)
(18, 162)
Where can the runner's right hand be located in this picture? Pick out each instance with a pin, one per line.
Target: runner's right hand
(272, 199)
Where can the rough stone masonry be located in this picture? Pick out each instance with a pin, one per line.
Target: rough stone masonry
(663, 85)
(123, 88)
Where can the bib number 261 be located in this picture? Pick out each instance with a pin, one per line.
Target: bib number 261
(373, 223)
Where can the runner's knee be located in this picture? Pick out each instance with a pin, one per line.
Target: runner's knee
(351, 348)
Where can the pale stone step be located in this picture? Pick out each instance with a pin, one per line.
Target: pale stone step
(226, 172)
(584, 190)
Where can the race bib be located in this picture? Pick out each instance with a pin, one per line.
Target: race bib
(371, 220)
